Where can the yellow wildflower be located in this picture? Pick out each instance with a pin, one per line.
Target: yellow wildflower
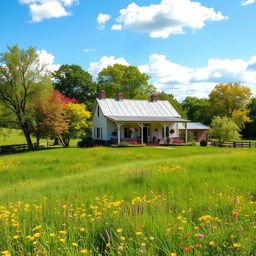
(16, 237)
(212, 243)
(122, 238)
(173, 254)
(119, 230)
(84, 251)
(236, 245)
(138, 233)
(75, 244)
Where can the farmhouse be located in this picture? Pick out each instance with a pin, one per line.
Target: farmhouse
(136, 121)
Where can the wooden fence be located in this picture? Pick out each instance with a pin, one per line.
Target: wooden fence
(10, 149)
(235, 144)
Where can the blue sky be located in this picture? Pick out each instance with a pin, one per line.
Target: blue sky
(185, 46)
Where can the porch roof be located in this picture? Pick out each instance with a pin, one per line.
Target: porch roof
(194, 126)
(147, 119)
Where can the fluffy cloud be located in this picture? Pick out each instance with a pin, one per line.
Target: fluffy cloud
(46, 9)
(248, 2)
(183, 81)
(47, 60)
(96, 67)
(116, 27)
(170, 17)
(89, 50)
(102, 19)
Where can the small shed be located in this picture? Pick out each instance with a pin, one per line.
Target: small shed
(196, 130)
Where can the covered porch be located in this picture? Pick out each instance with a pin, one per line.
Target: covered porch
(148, 132)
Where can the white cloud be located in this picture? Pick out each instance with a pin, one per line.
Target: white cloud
(248, 2)
(96, 67)
(116, 27)
(46, 9)
(47, 59)
(185, 81)
(89, 50)
(170, 17)
(102, 19)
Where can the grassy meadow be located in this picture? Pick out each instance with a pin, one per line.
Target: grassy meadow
(129, 201)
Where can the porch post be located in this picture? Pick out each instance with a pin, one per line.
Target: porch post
(186, 132)
(141, 131)
(119, 132)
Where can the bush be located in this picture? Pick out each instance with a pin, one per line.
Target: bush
(123, 144)
(203, 143)
(168, 140)
(86, 142)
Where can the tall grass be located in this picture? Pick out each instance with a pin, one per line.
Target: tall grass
(128, 201)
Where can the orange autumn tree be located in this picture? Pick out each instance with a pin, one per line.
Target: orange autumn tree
(50, 116)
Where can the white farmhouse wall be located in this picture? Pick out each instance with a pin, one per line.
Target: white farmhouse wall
(99, 122)
(111, 127)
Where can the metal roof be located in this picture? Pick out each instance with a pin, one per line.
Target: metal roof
(146, 119)
(137, 108)
(193, 126)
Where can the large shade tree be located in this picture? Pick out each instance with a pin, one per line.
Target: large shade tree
(249, 130)
(231, 100)
(22, 76)
(197, 109)
(126, 79)
(74, 82)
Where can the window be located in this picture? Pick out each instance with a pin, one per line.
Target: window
(98, 111)
(195, 135)
(127, 133)
(166, 132)
(98, 133)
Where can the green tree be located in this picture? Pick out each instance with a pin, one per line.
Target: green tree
(197, 109)
(249, 130)
(126, 79)
(231, 100)
(224, 129)
(168, 96)
(22, 76)
(74, 82)
(79, 121)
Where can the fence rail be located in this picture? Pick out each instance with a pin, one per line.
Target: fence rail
(10, 149)
(234, 144)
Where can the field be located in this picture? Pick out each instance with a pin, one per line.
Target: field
(129, 201)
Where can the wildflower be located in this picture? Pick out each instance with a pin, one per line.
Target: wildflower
(188, 235)
(200, 235)
(138, 233)
(82, 229)
(16, 237)
(75, 244)
(120, 248)
(108, 245)
(52, 235)
(63, 232)
(236, 245)
(119, 230)
(180, 228)
(187, 249)
(173, 254)
(212, 243)
(151, 238)
(141, 251)
(198, 246)
(84, 251)
(235, 214)
(143, 244)
(62, 240)
(122, 238)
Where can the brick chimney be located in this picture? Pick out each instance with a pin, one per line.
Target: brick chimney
(120, 96)
(154, 97)
(102, 95)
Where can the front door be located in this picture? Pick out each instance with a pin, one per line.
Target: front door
(145, 134)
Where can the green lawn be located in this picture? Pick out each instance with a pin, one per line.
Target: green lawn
(129, 201)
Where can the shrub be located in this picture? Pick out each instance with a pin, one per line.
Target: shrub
(123, 144)
(203, 143)
(86, 142)
(168, 140)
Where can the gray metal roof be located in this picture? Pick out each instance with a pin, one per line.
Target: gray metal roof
(146, 119)
(137, 108)
(193, 126)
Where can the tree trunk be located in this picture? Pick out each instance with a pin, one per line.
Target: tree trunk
(27, 136)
